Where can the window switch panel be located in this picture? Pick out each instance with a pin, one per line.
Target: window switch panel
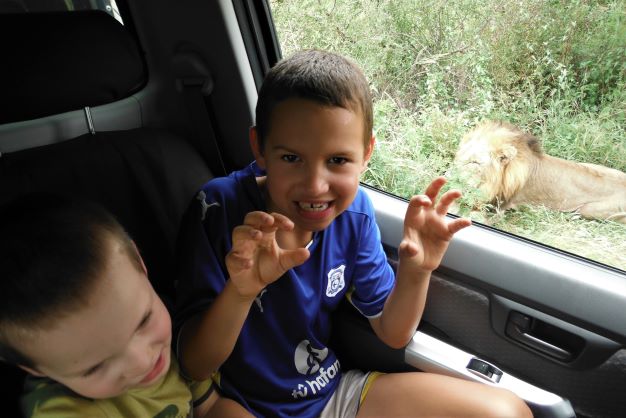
(485, 370)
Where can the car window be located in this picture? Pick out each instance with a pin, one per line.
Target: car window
(554, 71)
(30, 6)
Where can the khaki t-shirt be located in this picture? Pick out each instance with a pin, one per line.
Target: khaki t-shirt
(171, 397)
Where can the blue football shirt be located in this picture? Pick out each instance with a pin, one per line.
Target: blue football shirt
(281, 365)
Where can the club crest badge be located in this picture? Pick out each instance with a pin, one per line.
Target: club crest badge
(309, 359)
(335, 281)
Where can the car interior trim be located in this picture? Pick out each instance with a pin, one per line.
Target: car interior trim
(430, 354)
(518, 270)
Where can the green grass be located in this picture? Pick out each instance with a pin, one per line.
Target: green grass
(556, 68)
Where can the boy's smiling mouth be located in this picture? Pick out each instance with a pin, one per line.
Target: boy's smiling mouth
(156, 370)
(314, 211)
(314, 206)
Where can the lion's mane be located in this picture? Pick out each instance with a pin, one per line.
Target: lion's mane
(510, 168)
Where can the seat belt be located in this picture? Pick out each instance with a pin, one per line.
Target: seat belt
(196, 90)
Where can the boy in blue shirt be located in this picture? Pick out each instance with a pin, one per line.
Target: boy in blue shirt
(303, 237)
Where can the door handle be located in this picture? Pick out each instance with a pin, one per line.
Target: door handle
(540, 336)
(555, 339)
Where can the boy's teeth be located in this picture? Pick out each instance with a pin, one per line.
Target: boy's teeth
(313, 206)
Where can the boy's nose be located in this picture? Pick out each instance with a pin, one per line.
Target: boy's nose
(315, 181)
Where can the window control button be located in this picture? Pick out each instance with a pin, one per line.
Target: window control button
(485, 370)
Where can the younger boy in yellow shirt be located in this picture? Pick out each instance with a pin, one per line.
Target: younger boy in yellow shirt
(78, 313)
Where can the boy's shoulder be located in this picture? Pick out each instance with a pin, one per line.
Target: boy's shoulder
(46, 398)
(362, 204)
(172, 397)
(358, 219)
(237, 183)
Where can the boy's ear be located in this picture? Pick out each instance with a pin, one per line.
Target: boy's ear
(369, 150)
(31, 371)
(256, 147)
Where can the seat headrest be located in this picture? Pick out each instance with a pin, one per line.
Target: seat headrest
(62, 61)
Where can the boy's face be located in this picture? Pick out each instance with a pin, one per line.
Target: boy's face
(314, 156)
(120, 340)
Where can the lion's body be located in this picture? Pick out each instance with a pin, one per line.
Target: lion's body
(510, 169)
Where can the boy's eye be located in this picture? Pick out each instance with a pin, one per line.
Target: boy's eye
(290, 158)
(338, 160)
(145, 320)
(93, 370)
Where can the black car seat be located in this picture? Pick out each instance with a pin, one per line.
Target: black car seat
(59, 65)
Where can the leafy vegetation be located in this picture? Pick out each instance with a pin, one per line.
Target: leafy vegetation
(555, 68)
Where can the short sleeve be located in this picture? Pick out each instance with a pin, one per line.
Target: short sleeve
(373, 277)
(200, 390)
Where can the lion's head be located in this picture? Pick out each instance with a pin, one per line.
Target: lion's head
(497, 158)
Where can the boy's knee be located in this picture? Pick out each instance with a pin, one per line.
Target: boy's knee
(508, 405)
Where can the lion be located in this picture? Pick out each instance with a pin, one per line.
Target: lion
(509, 168)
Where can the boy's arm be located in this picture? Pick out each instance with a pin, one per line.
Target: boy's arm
(254, 262)
(427, 234)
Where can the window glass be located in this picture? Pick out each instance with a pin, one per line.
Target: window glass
(553, 69)
(30, 6)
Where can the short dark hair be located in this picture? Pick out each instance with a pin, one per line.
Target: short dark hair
(321, 76)
(53, 249)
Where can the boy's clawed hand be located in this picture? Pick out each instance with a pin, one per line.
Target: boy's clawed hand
(255, 259)
(427, 232)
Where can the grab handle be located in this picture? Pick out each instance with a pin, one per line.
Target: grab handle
(549, 336)
(532, 332)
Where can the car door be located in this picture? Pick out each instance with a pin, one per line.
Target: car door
(548, 315)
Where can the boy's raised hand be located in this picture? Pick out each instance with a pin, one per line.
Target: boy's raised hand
(255, 259)
(427, 231)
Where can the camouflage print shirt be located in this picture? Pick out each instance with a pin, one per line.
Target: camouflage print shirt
(171, 397)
